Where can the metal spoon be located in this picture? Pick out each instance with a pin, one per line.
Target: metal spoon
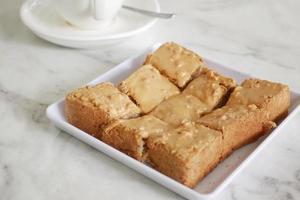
(150, 13)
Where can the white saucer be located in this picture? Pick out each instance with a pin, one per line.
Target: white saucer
(41, 18)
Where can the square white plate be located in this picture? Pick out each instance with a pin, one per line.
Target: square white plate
(212, 184)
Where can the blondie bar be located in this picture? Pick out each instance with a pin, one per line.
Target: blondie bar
(176, 62)
(147, 87)
(91, 107)
(187, 153)
(129, 136)
(211, 88)
(272, 97)
(239, 124)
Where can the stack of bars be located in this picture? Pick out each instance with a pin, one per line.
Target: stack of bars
(178, 115)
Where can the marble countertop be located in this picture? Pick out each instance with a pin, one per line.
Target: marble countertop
(38, 161)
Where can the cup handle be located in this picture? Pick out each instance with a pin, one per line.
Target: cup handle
(95, 9)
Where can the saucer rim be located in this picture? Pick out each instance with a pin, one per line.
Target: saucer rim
(39, 30)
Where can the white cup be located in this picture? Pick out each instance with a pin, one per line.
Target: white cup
(88, 14)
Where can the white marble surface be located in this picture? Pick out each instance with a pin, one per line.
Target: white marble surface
(38, 161)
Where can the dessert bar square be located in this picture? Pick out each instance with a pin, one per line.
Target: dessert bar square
(179, 109)
(239, 124)
(175, 62)
(129, 136)
(187, 153)
(211, 88)
(91, 107)
(147, 87)
(272, 97)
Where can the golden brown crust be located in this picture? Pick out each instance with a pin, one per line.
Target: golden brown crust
(125, 139)
(176, 62)
(187, 153)
(147, 87)
(272, 97)
(130, 135)
(92, 107)
(281, 116)
(239, 124)
(85, 117)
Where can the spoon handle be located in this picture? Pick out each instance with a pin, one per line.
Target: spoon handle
(150, 13)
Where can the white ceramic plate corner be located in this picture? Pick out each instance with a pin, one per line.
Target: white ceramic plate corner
(214, 182)
(42, 19)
